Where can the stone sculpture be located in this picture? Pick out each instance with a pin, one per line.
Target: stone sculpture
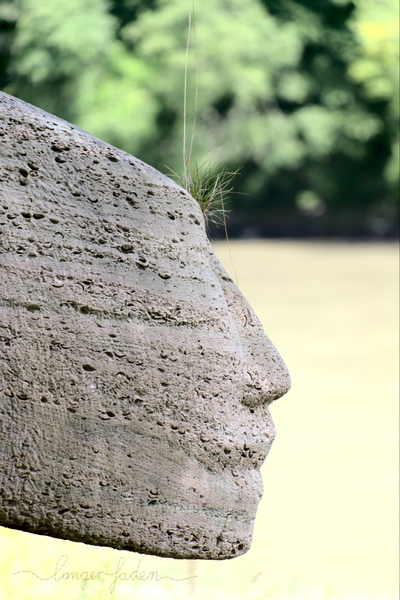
(134, 377)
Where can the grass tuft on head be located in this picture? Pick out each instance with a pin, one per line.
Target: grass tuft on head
(209, 185)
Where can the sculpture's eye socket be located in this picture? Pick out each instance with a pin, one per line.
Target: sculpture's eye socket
(243, 314)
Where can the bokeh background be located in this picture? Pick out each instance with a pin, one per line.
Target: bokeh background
(304, 96)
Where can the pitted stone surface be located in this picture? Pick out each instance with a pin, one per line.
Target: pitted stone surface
(134, 377)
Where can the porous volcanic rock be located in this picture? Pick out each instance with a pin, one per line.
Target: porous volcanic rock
(134, 377)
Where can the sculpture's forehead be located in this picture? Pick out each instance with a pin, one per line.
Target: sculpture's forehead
(89, 227)
(63, 169)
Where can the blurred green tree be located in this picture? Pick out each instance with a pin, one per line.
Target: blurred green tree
(302, 94)
(66, 58)
(376, 68)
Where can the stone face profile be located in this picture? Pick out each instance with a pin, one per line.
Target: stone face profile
(135, 378)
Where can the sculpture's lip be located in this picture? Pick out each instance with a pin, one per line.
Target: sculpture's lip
(235, 450)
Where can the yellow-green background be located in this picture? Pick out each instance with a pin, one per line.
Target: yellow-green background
(327, 526)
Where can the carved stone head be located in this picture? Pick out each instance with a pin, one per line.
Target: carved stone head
(135, 378)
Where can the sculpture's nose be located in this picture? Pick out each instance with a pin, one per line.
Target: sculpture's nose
(266, 377)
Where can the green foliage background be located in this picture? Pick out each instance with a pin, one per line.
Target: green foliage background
(303, 94)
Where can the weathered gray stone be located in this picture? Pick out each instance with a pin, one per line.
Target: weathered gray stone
(134, 377)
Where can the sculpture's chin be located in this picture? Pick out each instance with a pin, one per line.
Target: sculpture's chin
(196, 530)
(169, 531)
(132, 491)
(195, 533)
(209, 526)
